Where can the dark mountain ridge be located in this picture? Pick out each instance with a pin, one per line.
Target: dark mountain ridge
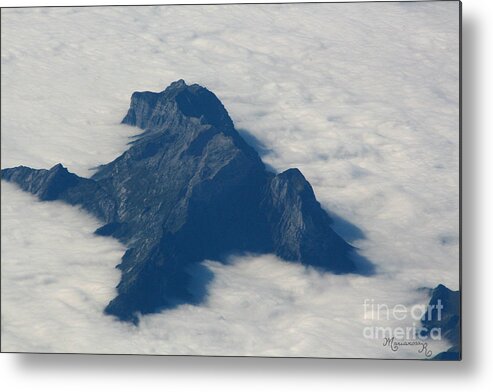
(190, 188)
(447, 319)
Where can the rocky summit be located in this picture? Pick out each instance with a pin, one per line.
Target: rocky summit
(447, 319)
(190, 188)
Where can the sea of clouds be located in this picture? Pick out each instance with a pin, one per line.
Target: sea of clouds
(362, 98)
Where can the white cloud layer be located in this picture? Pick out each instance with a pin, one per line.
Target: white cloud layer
(363, 98)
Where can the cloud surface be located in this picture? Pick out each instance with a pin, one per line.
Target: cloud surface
(363, 98)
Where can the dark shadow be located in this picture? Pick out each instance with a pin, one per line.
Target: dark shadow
(258, 146)
(346, 229)
(363, 266)
(254, 142)
(198, 286)
(186, 366)
(471, 302)
(190, 286)
(351, 233)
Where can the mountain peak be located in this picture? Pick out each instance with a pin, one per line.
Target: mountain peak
(178, 102)
(180, 83)
(189, 189)
(444, 314)
(58, 168)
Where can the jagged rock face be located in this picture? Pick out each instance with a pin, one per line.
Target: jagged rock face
(447, 319)
(190, 188)
(59, 184)
(300, 229)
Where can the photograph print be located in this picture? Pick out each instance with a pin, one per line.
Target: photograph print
(269, 180)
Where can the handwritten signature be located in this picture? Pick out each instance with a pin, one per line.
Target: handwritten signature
(394, 345)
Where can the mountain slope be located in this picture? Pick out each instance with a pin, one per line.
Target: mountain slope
(447, 320)
(190, 188)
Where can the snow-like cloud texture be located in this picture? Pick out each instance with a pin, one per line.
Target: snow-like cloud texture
(363, 98)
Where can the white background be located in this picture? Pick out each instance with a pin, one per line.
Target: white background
(129, 373)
